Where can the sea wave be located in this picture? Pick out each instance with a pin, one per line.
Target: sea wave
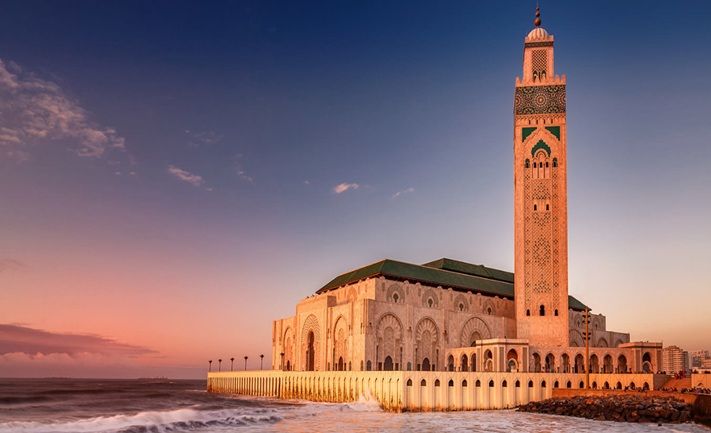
(148, 422)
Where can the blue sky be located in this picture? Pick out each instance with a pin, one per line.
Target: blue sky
(198, 170)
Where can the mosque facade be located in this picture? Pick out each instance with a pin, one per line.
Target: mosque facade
(448, 315)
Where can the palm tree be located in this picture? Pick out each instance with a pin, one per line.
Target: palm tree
(232, 364)
(261, 361)
(245, 363)
(210, 367)
(219, 364)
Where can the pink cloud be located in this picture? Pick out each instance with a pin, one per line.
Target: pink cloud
(344, 186)
(186, 176)
(18, 339)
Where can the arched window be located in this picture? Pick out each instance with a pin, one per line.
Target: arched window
(530, 384)
(535, 207)
(543, 384)
(423, 382)
(534, 164)
(504, 384)
(451, 382)
(542, 311)
(555, 162)
(477, 384)
(555, 313)
(409, 382)
(528, 163)
(464, 383)
(488, 311)
(548, 207)
(395, 297)
(528, 312)
(369, 366)
(556, 384)
(491, 384)
(437, 382)
(518, 384)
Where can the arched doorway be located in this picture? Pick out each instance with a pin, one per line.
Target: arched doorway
(450, 363)
(310, 352)
(594, 364)
(647, 362)
(426, 364)
(579, 363)
(607, 364)
(550, 363)
(512, 360)
(341, 366)
(536, 363)
(622, 364)
(388, 363)
(464, 363)
(488, 361)
(565, 360)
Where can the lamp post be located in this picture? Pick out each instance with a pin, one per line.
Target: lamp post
(245, 363)
(219, 364)
(587, 348)
(232, 364)
(210, 365)
(261, 361)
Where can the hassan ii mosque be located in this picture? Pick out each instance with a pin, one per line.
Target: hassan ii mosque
(450, 335)
(448, 315)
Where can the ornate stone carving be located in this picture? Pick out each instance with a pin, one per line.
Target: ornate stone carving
(539, 99)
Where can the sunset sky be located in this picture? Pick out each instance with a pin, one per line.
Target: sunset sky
(175, 175)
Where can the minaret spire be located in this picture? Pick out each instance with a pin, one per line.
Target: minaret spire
(537, 20)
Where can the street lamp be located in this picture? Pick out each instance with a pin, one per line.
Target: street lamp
(232, 364)
(245, 363)
(210, 367)
(261, 361)
(219, 364)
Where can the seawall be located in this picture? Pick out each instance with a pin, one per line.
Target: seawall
(416, 390)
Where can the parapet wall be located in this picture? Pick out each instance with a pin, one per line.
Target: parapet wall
(701, 380)
(414, 390)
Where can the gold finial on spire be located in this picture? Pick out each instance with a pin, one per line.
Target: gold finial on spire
(537, 20)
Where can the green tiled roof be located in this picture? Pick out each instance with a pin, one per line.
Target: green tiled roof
(471, 269)
(460, 276)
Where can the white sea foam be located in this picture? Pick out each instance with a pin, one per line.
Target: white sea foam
(153, 421)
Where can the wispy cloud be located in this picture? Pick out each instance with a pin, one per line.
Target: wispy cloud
(239, 168)
(22, 339)
(35, 111)
(343, 187)
(403, 192)
(186, 176)
(10, 265)
(201, 138)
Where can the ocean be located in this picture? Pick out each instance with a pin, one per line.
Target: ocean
(157, 406)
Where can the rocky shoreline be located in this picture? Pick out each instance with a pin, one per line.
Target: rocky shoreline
(620, 408)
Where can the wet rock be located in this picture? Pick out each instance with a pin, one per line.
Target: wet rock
(629, 408)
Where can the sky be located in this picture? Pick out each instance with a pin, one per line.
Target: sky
(175, 175)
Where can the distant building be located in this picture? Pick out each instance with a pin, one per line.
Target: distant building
(675, 360)
(706, 364)
(698, 357)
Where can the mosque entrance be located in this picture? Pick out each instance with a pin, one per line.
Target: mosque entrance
(310, 352)
(388, 364)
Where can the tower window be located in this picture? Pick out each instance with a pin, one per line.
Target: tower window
(528, 164)
(555, 162)
(528, 312)
(555, 313)
(542, 311)
(534, 165)
(546, 164)
(548, 207)
(535, 207)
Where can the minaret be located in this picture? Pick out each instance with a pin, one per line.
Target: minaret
(540, 196)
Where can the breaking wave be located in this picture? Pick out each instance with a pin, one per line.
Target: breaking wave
(149, 422)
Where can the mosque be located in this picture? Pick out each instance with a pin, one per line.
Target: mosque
(448, 315)
(449, 335)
